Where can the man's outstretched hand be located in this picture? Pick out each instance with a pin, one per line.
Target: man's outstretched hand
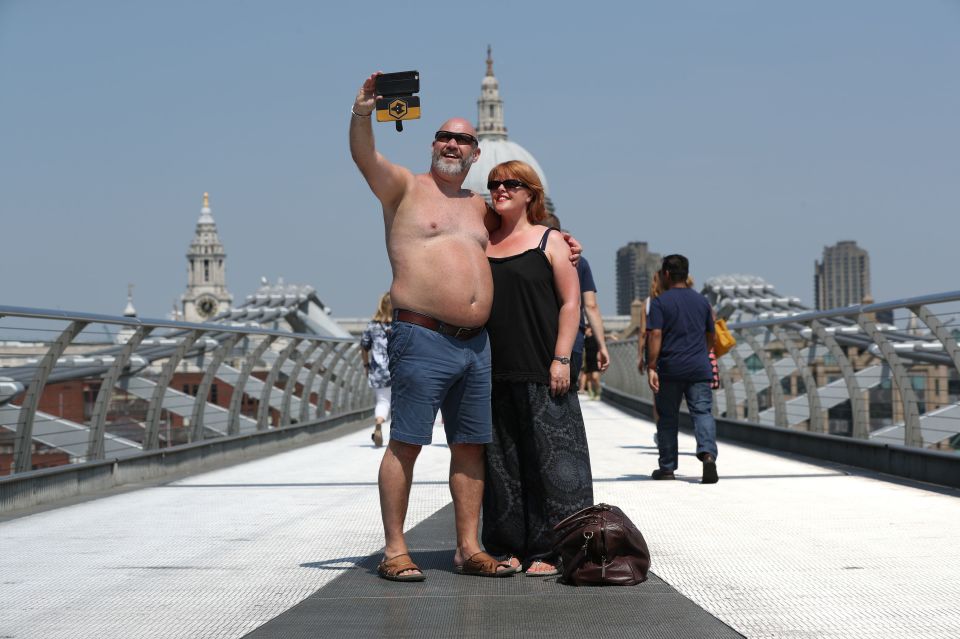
(367, 96)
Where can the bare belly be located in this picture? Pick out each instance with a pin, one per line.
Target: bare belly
(445, 277)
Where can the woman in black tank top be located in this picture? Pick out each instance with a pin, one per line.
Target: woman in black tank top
(538, 465)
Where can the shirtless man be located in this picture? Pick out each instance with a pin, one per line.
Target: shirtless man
(439, 352)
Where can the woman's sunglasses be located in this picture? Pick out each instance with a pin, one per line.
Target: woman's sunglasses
(511, 184)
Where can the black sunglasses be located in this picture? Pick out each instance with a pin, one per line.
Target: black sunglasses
(510, 184)
(461, 138)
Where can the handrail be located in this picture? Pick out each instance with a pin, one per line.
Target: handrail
(94, 318)
(137, 378)
(850, 311)
(838, 371)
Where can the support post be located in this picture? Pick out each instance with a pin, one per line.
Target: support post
(23, 443)
(98, 421)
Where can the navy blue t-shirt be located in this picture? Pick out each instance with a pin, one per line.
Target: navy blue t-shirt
(683, 315)
(586, 284)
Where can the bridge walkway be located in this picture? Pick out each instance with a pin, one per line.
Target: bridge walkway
(781, 547)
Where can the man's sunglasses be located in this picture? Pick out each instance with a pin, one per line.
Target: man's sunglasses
(511, 184)
(461, 138)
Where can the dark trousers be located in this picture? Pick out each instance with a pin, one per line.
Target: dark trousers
(538, 469)
(700, 404)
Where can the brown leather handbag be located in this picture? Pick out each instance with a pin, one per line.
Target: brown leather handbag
(600, 546)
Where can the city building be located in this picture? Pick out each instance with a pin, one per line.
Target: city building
(843, 277)
(636, 268)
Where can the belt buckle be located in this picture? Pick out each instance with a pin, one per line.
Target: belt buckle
(461, 332)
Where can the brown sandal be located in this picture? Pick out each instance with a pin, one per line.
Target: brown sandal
(391, 569)
(483, 565)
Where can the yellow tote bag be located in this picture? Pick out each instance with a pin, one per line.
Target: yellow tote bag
(724, 339)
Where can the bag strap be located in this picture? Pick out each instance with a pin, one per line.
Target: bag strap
(582, 514)
(577, 515)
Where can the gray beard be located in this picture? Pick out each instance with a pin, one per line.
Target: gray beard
(447, 168)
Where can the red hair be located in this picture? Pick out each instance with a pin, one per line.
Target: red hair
(522, 171)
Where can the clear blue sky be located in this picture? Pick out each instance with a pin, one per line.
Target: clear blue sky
(745, 134)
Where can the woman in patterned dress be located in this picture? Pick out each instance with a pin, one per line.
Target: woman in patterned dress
(538, 465)
(373, 343)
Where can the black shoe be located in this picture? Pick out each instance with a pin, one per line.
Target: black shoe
(709, 470)
(663, 474)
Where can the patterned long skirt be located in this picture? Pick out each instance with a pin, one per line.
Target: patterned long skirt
(538, 469)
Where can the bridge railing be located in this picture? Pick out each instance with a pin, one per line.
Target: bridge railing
(886, 372)
(78, 387)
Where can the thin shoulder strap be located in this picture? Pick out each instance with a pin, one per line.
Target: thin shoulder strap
(543, 240)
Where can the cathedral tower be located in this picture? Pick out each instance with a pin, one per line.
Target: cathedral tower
(495, 145)
(207, 294)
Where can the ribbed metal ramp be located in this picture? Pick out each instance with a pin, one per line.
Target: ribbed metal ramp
(360, 604)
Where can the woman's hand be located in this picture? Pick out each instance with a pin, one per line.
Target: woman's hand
(559, 378)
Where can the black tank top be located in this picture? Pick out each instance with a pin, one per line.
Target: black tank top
(525, 316)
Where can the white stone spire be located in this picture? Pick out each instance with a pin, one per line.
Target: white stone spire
(490, 124)
(129, 311)
(207, 293)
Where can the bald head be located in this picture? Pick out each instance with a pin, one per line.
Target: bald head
(458, 125)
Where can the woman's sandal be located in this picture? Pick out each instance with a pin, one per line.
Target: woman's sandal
(377, 437)
(391, 569)
(542, 573)
(483, 565)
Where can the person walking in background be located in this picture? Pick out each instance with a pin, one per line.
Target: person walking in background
(591, 368)
(655, 290)
(681, 333)
(589, 312)
(376, 363)
(642, 335)
(538, 465)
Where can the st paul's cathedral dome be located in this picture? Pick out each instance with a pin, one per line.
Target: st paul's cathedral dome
(495, 147)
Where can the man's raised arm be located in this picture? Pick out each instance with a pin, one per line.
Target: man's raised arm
(387, 180)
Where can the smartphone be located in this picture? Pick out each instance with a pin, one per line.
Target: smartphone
(398, 102)
(402, 83)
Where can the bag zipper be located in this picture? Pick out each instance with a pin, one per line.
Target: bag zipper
(603, 548)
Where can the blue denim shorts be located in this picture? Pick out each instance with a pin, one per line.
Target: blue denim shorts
(430, 372)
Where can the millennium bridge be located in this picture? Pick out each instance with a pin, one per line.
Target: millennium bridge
(170, 479)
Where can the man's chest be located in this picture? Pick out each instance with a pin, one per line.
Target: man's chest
(457, 218)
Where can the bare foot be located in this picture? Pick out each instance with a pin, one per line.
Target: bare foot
(542, 569)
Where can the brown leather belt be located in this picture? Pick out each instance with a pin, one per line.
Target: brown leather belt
(412, 317)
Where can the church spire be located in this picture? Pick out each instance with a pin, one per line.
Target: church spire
(490, 124)
(207, 292)
(130, 311)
